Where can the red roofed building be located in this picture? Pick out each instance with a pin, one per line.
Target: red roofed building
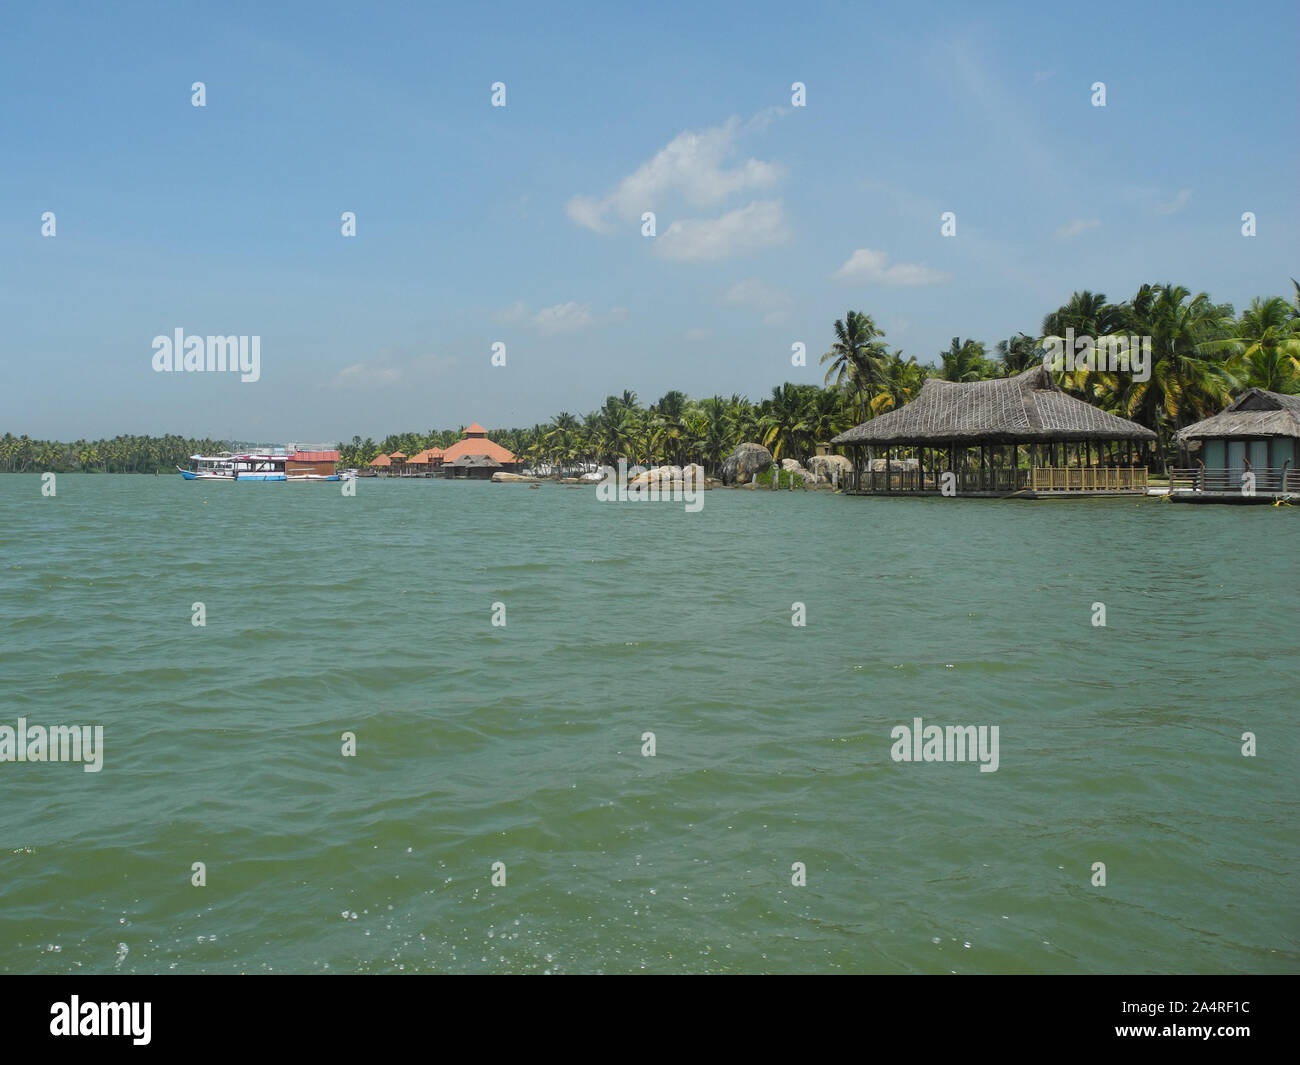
(426, 462)
(477, 445)
(313, 463)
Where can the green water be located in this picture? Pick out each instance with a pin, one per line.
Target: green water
(522, 744)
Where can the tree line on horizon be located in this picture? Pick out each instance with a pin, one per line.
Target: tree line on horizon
(1202, 354)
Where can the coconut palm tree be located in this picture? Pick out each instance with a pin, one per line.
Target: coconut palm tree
(1018, 353)
(1088, 314)
(1187, 380)
(901, 381)
(857, 356)
(1264, 344)
(965, 361)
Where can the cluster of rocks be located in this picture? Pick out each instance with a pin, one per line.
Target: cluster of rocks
(669, 478)
(741, 469)
(744, 465)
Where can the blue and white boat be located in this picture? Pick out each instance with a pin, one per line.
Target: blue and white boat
(270, 465)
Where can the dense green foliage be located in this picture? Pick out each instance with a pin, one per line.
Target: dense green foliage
(1202, 355)
(122, 454)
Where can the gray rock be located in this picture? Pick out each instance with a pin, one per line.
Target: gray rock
(745, 463)
(826, 465)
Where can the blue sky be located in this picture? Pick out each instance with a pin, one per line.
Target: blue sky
(521, 224)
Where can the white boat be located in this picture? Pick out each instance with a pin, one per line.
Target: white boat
(278, 465)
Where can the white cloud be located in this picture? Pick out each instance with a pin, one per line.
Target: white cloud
(1077, 226)
(694, 165)
(762, 297)
(389, 366)
(1176, 204)
(513, 314)
(563, 318)
(568, 317)
(361, 374)
(869, 266)
(759, 225)
(698, 334)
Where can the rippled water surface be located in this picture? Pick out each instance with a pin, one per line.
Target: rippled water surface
(522, 744)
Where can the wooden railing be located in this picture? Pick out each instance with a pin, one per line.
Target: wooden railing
(965, 481)
(1088, 478)
(1039, 479)
(1230, 479)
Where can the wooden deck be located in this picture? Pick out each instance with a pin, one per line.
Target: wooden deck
(1229, 485)
(1041, 482)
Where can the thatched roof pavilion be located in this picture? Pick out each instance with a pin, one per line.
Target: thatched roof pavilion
(1255, 413)
(1258, 433)
(999, 418)
(475, 467)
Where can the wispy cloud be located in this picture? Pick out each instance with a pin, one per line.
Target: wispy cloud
(760, 296)
(568, 317)
(1077, 226)
(1175, 205)
(698, 166)
(391, 367)
(758, 225)
(361, 374)
(698, 334)
(868, 266)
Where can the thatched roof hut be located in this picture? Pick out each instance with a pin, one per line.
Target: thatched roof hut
(1027, 408)
(473, 466)
(1257, 434)
(1255, 413)
(967, 438)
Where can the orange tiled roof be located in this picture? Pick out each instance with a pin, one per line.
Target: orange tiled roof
(477, 445)
(397, 455)
(381, 460)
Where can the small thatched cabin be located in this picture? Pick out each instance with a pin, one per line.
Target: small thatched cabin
(1258, 433)
(1017, 435)
(472, 467)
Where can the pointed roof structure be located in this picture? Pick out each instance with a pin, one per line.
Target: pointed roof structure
(1026, 408)
(1255, 412)
(381, 460)
(475, 442)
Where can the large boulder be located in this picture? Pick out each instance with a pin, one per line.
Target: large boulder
(906, 465)
(827, 465)
(745, 463)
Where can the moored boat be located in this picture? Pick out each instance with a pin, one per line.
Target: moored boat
(269, 465)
